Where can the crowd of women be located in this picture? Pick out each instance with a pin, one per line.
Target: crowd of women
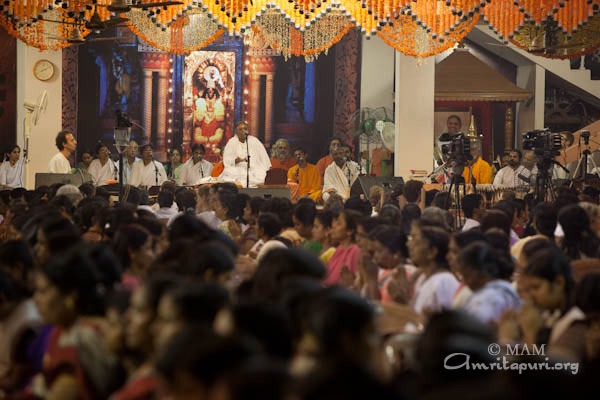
(211, 294)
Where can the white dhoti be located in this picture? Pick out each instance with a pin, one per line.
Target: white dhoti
(259, 161)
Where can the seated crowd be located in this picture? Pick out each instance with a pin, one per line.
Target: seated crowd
(212, 294)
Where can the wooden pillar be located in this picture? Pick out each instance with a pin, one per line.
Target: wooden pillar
(161, 120)
(147, 106)
(508, 127)
(254, 104)
(269, 110)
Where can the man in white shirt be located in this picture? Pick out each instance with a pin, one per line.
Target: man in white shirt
(509, 175)
(103, 169)
(235, 158)
(339, 176)
(147, 171)
(471, 205)
(196, 168)
(129, 158)
(165, 201)
(66, 144)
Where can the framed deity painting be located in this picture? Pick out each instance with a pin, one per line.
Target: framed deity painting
(209, 100)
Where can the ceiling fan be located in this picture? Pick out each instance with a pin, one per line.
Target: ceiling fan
(542, 50)
(75, 38)
(122, 6)
(546, 39)
(95, 23)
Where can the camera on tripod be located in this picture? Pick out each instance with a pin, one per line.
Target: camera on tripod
(586, 137)
(543, 142)
(458, 149)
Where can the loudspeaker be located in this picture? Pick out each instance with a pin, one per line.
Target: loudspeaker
(47, 179)
(362, 185)
(267, 193)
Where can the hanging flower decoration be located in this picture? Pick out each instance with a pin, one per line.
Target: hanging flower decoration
(193, 30)
(564, 28)
(569, 31)
(414, 39)
(318, 38)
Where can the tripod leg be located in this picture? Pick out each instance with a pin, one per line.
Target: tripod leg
(452, 184)
(595, 167)
(576, 172)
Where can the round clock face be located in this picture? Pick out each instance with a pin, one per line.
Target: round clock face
(43, 70)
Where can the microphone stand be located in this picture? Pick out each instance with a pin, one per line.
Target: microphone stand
(247, 163)
(438, 169)
(349, 173)
(155, 170)
(120, 176)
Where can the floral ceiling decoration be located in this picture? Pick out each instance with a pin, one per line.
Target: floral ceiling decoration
(420, 28)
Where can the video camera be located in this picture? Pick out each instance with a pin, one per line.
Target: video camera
(543, 142)
(457, 148)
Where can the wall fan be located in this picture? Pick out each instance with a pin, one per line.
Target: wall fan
(364, 122)
(33, 111)
(387, 131)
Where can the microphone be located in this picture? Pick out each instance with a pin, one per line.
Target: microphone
(116, 171)
(155, 168)
(524, 178)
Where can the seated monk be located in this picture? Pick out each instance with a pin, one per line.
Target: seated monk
(328, 159)
(281, 157)
(307, 176)
(217, 169)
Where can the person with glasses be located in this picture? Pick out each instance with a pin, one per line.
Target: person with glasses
(147, 171)
(103, 169)
(196, 168)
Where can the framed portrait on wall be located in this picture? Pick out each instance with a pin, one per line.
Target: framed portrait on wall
(209, 100)
(441, 116)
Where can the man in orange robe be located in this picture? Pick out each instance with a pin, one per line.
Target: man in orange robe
(307, 176)
(478, 168)
(324, 162)
(281, 157)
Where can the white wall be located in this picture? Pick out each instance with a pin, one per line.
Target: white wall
(415, 93)
(530, 113)
(377, 81)
(377, 74)
(41, 143)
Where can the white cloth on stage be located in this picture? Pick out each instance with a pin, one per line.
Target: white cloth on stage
(12, 175)
(127, 169)
(191, 174)
(510, 177)
(59, 164)
(146, 175)
(259, 161)
(102, 173)
(337, 178)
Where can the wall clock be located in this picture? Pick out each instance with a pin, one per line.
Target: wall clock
(43, 70)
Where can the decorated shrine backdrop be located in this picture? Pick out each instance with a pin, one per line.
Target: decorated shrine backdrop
(179, 100)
